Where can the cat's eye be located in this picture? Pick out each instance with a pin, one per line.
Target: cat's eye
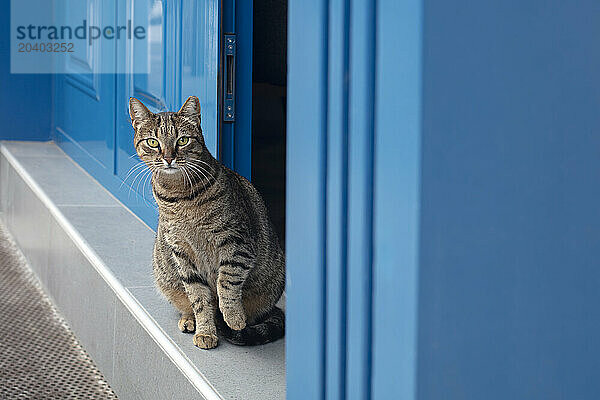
(182, 141)
(152, 143)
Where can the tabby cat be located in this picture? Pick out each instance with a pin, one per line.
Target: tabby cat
(216, 258)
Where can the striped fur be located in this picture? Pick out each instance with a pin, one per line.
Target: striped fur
(216, 256)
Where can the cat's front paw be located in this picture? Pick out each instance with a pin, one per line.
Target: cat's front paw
(187, 324)
(206, 340)
(236, 320)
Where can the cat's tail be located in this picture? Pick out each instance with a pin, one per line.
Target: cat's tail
(266, 331)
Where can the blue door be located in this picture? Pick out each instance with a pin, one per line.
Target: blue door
(179, 58)
(84, 97)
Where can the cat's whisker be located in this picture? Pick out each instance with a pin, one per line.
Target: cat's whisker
(133, 169)
(137, 179)
(139, 174)
(137, 189)
(183, 178)
(205, 170)
(136, 165)
(148, 181)
(144, 188)
(202, 170)
(191, 179)
(149, 176)
(157, 176)
(201, 161)
(188, 177)
(199, 178)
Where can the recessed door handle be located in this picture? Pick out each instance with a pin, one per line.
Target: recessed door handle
(229, 79)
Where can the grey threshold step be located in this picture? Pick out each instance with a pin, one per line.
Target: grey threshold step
(93, 257)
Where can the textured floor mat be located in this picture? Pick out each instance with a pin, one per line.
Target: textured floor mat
(40, 358)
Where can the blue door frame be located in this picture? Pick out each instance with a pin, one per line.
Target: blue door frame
(443, 227)
(352, 207)
(236, 137)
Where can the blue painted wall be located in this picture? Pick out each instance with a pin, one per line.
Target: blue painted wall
(444, 213)
(25, 99)
(510, 211)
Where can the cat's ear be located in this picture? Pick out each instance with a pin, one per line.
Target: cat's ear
(138, 111)
(191, 107)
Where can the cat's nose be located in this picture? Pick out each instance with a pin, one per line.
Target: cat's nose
(168, 160)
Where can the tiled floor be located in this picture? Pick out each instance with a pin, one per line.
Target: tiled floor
(41, 357)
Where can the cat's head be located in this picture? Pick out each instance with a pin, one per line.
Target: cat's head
(167, 141)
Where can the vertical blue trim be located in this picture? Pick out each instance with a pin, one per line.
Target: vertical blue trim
(337, 197)
(360, 201)
(179, 55)
(236, 137)
(226, 145)
(242, 145)
(165, 56)
(396, 199)
(305, 225)
(117, 84)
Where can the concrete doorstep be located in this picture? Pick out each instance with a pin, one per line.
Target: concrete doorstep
(93, 257)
